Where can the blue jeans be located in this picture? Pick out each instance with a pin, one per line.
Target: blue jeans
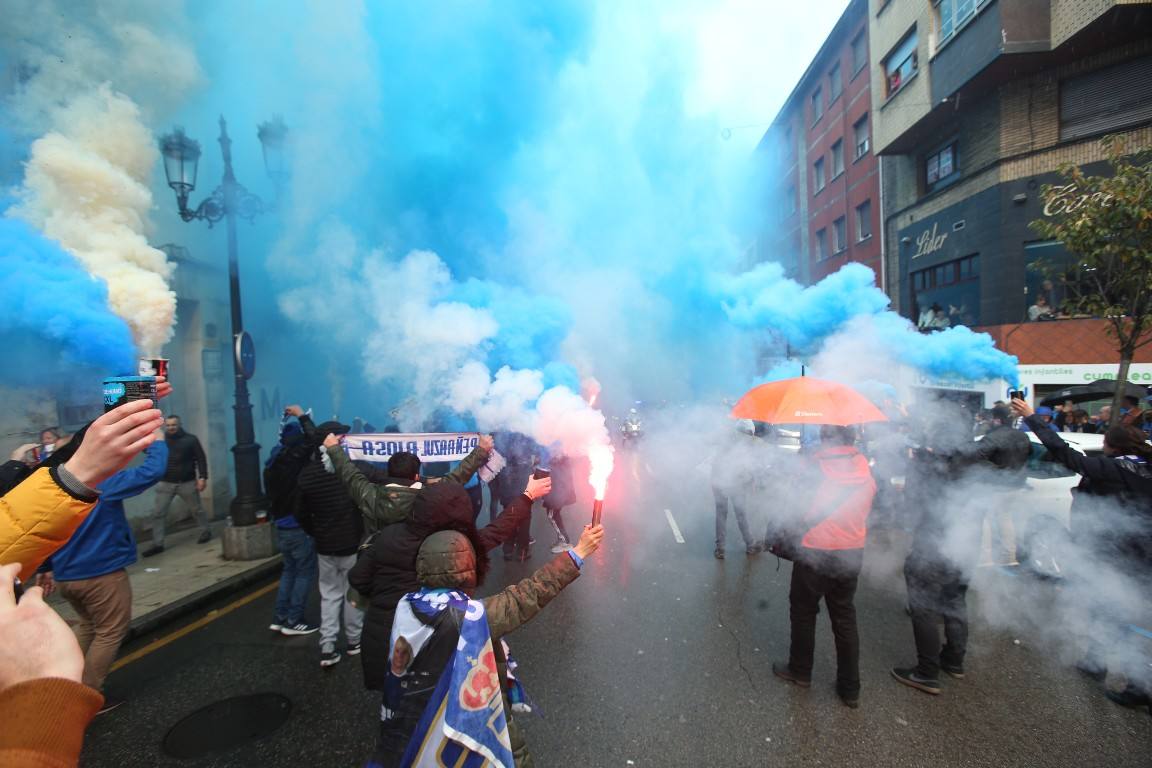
(299, 574)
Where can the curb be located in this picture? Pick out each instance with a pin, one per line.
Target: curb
(170, 613)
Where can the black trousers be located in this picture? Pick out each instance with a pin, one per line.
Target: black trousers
(809, 586)
(936, 593)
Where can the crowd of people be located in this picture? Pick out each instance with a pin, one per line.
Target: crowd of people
(958, 473)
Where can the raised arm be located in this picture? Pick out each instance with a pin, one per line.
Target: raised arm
(472, 462)
(504, 527)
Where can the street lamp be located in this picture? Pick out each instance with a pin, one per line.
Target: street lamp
(229, 201)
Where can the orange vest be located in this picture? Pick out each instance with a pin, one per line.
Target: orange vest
(839, 513)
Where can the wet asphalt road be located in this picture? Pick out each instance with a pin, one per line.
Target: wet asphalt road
(658, 655)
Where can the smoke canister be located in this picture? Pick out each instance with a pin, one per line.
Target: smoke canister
(124, 389)
(154, 366)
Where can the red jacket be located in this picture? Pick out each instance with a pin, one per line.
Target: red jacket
(839, 512)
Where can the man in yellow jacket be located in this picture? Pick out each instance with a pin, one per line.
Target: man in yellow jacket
(38, 516)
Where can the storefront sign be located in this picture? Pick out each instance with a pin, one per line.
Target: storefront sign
(1138, 373)
(929, 242)
(1066, 199)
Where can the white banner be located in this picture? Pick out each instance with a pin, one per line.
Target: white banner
(429, 446)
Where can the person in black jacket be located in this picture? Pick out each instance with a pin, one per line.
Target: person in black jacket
(1111, 524)
(946, 537)
(328, 514)
(297, 550)
(186, 477)
(386, 570)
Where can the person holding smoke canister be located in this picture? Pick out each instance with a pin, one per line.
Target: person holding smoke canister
(947, 533)
(1111, 523)
(826, 546)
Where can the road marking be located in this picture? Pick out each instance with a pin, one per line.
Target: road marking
(208, 618)
(675, 528)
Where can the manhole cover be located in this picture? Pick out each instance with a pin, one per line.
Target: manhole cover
(227, 724)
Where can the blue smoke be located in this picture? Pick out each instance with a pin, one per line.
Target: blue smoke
(532, 327)
(54, 316)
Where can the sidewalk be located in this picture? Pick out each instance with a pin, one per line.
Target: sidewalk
(182, 578)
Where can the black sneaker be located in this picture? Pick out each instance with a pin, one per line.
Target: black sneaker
(353, 649)
(784, 672)
(152, 551)
(851, 700)
(329, 659)
(1129, 697)
(911, 679)
(301, 628)
(953, 670)
(205, 537)
(718, 554)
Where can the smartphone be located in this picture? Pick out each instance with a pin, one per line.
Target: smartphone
(18, 588)
(1016, 394)
(541, 473)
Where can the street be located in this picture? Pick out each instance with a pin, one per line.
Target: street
(658, 655)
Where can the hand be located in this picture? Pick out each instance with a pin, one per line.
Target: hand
(163, 388)
(487, 443)
(538, 489)
(201, 484)
(589, 540)
(331, 441)
(294, 410)
(46, 583)
(1021, 407)
(20, 453)
(34, 641)
(113, 440)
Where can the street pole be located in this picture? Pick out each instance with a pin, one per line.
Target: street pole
(246, 452)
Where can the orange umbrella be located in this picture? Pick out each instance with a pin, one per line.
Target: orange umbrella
(806, 400)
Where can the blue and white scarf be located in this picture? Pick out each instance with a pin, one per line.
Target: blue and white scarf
(464, 723)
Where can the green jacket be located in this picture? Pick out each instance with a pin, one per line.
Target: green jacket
(382, 505)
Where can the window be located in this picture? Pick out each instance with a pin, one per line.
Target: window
(839, 235)
(838, 158)
(860, 134)
(951, 15)
(818, 175)
(817, 104)
(864, 220)
(859, 53)
(947, 294)
(939, 167)
(1106, 100)
(835, 84)
(901, 64)
(821, 244)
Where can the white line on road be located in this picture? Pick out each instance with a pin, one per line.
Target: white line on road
(675, 528)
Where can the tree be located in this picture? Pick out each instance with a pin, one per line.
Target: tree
(1105, 222)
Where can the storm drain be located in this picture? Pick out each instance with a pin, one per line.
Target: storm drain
(227, 724)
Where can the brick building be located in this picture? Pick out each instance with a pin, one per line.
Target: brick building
(825, 190)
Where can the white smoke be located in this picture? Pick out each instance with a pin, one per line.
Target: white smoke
(87, 177)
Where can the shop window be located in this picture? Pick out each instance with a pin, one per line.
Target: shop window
(946, 294)
(901, 64)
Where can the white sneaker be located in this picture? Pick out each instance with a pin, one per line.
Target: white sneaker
(561, 546)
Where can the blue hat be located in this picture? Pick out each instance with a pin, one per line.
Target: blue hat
(1043, 411)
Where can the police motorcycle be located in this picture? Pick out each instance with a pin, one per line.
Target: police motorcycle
(632, 429)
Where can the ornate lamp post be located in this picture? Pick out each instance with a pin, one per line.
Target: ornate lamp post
(227, 202)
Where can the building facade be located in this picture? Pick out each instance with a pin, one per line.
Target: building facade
(977, 104)
(825, 199)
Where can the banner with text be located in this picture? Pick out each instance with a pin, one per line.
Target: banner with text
(429, 446)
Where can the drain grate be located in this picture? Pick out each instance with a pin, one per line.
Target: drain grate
(227, 724)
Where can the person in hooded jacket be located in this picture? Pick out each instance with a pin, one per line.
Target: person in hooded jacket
(386, 570)
(1111, 521)
(450, 565)
(563, 494)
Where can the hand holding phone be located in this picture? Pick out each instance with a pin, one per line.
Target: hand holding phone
(541, 473)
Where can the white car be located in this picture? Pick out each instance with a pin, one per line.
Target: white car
(1037, 534)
